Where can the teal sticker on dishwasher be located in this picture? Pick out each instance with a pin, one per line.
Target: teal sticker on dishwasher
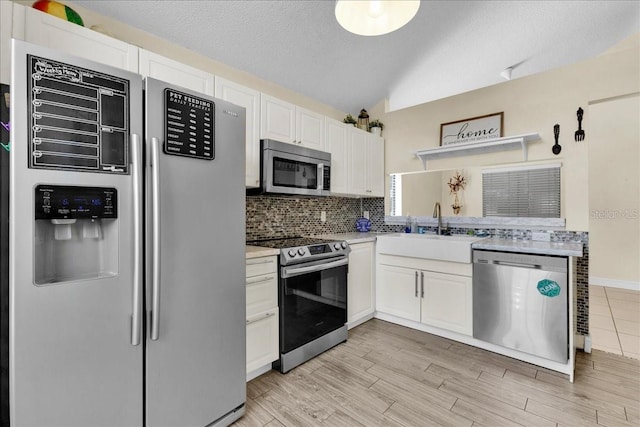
(548, 288)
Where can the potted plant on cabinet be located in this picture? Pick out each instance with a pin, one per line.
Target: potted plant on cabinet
(350, 120)
(375, 127)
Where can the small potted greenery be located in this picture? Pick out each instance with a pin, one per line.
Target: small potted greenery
(350, 120)
(375, 127)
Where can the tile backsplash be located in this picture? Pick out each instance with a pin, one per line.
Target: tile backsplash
(274, 216)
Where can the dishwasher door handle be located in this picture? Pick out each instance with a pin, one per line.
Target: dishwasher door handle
(518, 265)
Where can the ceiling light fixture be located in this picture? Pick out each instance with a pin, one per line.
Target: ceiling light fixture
(375, 17)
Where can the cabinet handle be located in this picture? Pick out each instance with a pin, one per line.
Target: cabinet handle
(260, 318)
(259, 280)
(416, 284)
(422, 284)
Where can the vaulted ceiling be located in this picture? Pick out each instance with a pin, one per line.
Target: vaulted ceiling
(450, 47)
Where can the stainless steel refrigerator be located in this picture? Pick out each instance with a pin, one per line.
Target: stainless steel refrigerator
(127, 222)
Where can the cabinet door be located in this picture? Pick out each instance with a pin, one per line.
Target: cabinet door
(360, 294)
(310, 129)
(336, 144)
(170, 71)
(6, 10)
(358, 160)
(250, 100)
(447, 302)
(277, 119)
(376, 166)
(397, 292)
(47, 30)
(262, 339)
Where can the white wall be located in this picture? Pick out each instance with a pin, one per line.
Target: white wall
(614, 191)
(530, 104)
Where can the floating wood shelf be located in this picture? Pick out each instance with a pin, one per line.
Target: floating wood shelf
(480, 147)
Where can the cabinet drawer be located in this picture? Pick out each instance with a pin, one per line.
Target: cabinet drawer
(262, 339)
(259, 266)
(262, 294)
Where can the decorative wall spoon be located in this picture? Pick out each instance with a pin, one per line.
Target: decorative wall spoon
(556, 133)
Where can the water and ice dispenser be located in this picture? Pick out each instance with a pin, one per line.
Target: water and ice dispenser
(76, 233)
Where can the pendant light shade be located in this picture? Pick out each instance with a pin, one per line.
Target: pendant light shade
(375, 17)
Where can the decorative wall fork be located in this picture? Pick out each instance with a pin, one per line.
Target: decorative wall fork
(580, 132)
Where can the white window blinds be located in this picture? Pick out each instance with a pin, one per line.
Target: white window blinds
(522, 192)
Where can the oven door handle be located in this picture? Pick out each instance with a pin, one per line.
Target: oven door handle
(291, 272)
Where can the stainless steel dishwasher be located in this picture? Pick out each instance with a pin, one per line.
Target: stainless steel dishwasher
(520, 301)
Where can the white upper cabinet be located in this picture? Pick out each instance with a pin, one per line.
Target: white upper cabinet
(358, 156)
(358, 161)
(286, 122)
(47, 30)
(277, 119)
(310, 129)
(250, 100)
(376, 166)
(336, 144)
(174, 72)
(6, 8)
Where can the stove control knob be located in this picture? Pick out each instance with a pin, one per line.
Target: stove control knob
(344, 245)
(336, 246)
(292, 253)
(300, 251)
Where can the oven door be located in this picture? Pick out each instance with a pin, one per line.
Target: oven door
(288, 173)
(313, 301)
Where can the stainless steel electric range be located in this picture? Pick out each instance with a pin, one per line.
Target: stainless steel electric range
(312, 296)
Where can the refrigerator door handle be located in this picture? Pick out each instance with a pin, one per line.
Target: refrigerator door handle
(155, 247)
(136, 172)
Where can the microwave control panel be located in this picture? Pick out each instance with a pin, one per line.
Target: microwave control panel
(69, 202)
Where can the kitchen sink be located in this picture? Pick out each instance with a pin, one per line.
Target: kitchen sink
(454, 248)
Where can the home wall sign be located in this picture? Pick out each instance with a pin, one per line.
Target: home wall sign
(472, 130)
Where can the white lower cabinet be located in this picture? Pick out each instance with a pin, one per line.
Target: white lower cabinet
(262, 314)
(418, 293)
(360, 280)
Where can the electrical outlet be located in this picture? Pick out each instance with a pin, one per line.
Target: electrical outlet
(541, 236)
(365, 214)
(323, 216)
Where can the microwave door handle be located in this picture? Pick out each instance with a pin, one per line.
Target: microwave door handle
(320, 176)
(291, 272)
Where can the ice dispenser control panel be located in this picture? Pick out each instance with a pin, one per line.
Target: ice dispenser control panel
(68, 202)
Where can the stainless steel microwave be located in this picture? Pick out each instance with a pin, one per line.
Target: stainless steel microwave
(291, 169)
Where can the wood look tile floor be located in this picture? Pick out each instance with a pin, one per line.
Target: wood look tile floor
(389, 375)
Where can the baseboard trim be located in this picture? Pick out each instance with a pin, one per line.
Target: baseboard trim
(614, 283)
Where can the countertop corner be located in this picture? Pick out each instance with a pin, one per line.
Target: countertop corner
(259, 251)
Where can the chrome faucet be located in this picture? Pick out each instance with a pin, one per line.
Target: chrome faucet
(437, 214)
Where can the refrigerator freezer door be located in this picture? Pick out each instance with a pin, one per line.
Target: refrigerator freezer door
(71, 358)
(195, 368)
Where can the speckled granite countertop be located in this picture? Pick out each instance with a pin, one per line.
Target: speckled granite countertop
(530, 246)
(259, 251)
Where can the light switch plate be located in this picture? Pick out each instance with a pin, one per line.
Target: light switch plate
(365, 214)
(323, 216)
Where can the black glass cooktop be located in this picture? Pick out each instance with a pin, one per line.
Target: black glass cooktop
(288, 242)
